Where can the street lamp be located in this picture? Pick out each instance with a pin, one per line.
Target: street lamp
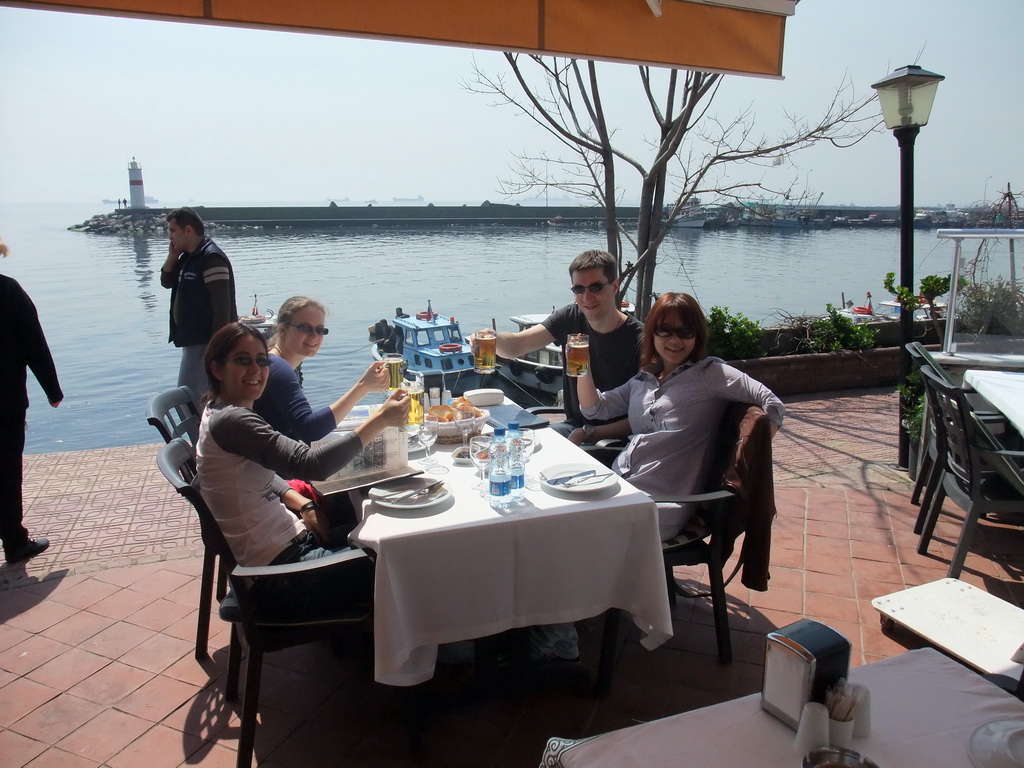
(906, 98)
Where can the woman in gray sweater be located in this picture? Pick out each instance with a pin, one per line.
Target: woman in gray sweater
(240, 456)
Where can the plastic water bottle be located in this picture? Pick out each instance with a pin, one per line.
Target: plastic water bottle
(499, 479)
(516, 464)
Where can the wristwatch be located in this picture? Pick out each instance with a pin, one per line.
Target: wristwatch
(588, 432)
(308, 506)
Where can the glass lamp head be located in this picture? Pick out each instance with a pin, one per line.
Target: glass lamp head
(906, 96)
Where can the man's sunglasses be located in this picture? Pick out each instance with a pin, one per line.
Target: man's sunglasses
(682, 333)
(593, 288)
(307, 328)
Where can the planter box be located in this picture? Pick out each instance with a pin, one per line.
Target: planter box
(826, 371)
(782, 341)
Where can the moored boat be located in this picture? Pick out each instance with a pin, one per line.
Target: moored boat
(692, 221)
(433, 348)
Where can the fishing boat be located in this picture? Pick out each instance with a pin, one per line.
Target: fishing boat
(432, 345)
(692, 221)
(891, 310)
(861, 314)
(541, 369)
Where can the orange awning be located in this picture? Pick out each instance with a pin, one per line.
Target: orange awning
(742, 36)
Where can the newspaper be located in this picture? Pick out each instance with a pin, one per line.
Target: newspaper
(385, 458)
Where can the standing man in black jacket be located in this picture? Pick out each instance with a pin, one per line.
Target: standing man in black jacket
(202, 293)
(24, 347)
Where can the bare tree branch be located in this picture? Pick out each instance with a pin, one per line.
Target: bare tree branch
(689, 158)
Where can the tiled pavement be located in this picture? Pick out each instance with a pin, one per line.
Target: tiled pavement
(96, 664)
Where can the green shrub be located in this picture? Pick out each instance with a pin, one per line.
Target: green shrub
(733, 337)
(834, 332)
(991, 308)
(912, 391)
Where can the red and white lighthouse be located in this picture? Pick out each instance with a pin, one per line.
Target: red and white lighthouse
(135, 189)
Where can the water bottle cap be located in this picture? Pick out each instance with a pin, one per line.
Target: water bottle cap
(513, 425)
(499, 431)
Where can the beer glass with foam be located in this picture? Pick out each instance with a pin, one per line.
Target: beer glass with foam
(485, 347)
(414, 422)
(577, 354)
(395, 364)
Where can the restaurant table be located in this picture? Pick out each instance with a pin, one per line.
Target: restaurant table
(924, 707)
(1004, 389)
(462, 570)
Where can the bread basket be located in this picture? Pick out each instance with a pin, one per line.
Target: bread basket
(448, 433)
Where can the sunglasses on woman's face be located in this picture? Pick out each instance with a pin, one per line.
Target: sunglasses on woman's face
(245, 361)
(682, 333)
(319, 330)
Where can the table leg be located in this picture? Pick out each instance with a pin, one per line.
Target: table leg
(609, 644)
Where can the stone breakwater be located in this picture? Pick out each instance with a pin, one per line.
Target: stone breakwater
(127, 222)
(333, 217)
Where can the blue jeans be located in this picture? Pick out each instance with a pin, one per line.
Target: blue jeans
(554, 641)
(311, 595)
(191, 372)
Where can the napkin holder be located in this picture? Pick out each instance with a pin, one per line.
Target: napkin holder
(801, 661)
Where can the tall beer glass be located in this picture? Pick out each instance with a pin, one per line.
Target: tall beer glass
(577, 354)
(485, 346)
(395, 364)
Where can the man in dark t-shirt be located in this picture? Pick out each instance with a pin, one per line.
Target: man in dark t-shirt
(615, 341)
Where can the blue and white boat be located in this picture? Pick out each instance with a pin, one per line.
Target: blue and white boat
(432, 345)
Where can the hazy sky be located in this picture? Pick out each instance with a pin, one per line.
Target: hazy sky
(219, 115)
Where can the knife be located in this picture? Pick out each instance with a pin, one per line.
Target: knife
(567, 478)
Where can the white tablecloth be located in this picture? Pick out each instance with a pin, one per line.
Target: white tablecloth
(924, 707)
(1004, 389)
(462, 570)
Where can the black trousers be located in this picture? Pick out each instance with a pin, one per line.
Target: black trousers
(12, 445)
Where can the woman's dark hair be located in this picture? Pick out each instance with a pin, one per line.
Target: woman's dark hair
(675, 310)
(220, 347)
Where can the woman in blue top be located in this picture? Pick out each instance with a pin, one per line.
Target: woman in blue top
(300, 332)
(675, 405)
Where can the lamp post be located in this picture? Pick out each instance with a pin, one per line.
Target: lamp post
(906, 98)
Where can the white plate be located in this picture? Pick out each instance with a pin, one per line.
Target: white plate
(562, 470)
(483, 397)
(999, 744)
(378, 493)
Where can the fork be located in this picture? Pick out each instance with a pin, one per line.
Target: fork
(587, 479)
(415, 494)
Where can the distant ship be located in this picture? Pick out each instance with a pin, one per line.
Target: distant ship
(418, 199)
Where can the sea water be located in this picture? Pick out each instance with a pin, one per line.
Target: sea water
(105, 314)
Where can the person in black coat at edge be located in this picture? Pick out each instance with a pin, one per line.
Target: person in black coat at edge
(25, 347)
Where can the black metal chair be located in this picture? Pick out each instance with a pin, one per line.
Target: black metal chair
(258, 614)
(709, 538)
(932, 468)
(724, 512)
(175, 413)
(969, 478)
